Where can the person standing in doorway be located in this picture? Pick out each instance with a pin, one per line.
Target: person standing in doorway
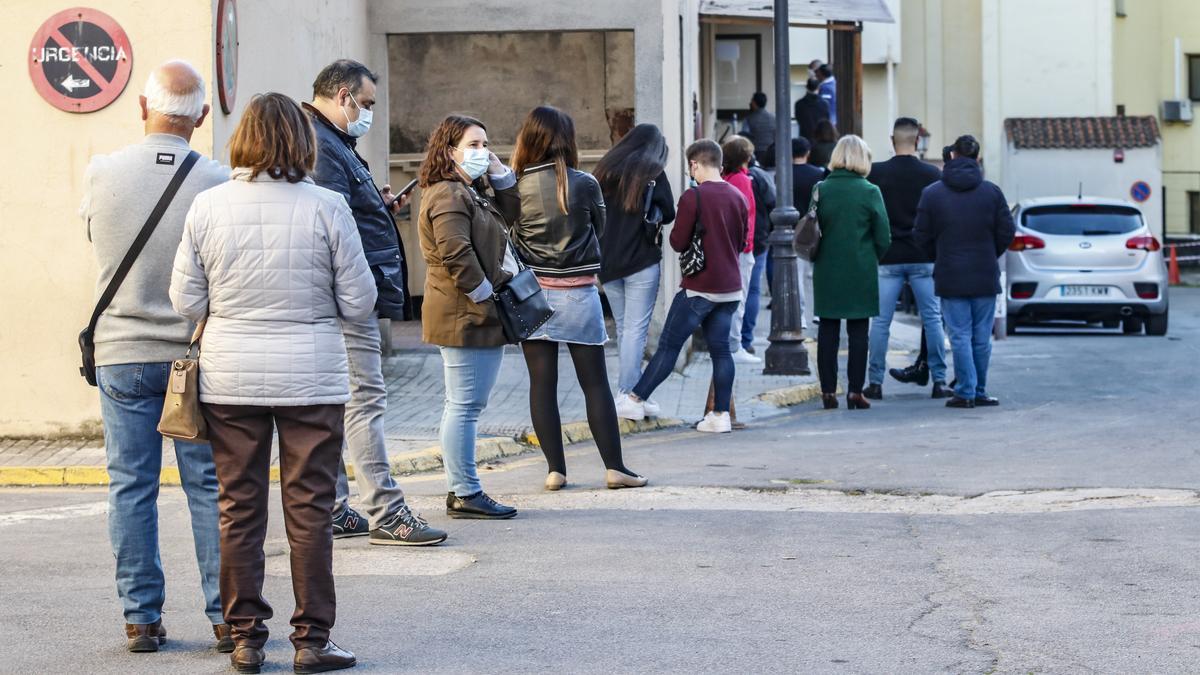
(272, 262)
(630, 247)
(463, 226)
(759, 127)
(708, 298)
(963, 222)
(737, 154)
(810, 109)
(558, 237)
(902, 179)
(137, 338)
(828, 90)
(341, 110)
(854, 236)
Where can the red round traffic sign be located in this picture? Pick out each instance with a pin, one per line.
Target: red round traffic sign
(80, 60)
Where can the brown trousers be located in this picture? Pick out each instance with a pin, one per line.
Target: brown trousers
(310, 447)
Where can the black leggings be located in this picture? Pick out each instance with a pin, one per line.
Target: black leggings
(829, 337)
(541, 357)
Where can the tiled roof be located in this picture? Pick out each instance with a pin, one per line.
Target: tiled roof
(1078, 133)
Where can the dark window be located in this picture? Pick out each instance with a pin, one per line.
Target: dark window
(1194, 212)
(1194, 76)
(1084, 220)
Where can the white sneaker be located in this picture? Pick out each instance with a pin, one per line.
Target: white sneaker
(629, 409)
(715, 423)
(743, 356)
(652, 409)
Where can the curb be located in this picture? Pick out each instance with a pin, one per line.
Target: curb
(487, 448)
(791, 396)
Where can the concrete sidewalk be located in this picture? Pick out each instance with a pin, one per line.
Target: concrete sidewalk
(415, 394)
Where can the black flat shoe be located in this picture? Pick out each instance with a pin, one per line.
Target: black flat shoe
(857, 402)
(986, 402)
(247, 659)
(940, 390)
(322, 659)
(873, 392)
(917, 373)
(478, 506)
(830, 401)
(959, 402)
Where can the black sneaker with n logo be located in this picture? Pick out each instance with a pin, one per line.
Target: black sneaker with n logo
(406, 529)
(350, 524)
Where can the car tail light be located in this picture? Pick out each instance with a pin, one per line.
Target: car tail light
(1146, 291)
(1023, 290)
(1025, 242)
(1143, 243)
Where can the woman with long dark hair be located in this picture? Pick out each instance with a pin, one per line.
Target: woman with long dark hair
(558, 237)
(462, 229)
(824, 140)
(631, 248)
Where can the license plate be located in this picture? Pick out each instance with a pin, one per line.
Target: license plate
(1084, 291)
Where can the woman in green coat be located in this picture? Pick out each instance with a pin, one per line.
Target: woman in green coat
(854, 236)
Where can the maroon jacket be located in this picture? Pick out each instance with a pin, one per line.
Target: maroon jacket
(725, 217)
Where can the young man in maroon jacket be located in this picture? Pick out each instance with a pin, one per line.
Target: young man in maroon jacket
(718, 212)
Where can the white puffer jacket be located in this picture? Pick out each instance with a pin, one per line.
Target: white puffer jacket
(273, 265)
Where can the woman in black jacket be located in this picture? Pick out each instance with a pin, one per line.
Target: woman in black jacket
(631, 249)
(558, 236)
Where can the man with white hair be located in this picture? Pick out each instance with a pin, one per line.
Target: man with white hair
(138, 335)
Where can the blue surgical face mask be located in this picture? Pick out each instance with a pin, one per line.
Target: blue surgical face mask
(360, 126)
(475, 161)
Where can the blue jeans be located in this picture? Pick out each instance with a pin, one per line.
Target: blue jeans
(753, 299)
(685, 316)
(632, 300)
(970, 323)
(891, 281)
(470, 374)
(131, 401)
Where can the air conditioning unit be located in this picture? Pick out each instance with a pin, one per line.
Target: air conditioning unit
(1177, 111)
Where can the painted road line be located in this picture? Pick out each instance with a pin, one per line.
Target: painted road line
(85, 510)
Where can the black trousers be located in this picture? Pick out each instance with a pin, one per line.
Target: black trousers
(829, 338)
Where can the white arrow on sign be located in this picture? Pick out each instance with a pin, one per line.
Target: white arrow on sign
(71, 83)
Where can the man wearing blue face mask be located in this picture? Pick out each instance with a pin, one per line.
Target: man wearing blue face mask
(343, 96)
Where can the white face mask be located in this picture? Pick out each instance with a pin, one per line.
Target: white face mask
(360, 126)
(475, 161)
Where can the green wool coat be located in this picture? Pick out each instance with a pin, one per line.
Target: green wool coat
(854, 236)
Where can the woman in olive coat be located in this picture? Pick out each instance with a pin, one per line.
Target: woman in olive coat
(854, 236)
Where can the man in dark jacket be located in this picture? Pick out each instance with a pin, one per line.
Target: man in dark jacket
(759, 127)
(902, 179)
(811, 109)
(343, 98)
(964, 222)
(764, 202)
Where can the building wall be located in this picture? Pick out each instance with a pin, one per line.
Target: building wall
(47, 274)
(1144, 76)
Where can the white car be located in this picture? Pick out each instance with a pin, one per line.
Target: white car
(1089, 259)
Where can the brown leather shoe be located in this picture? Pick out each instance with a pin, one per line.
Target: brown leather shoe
(145, 637)
(322, 659)
(247, 659)
(224, 634)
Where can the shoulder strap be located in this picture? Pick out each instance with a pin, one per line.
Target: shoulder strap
(143, 236)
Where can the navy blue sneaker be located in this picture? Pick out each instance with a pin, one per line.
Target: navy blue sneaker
(350, 524)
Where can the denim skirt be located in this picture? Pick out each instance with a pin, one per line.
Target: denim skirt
(578, 317)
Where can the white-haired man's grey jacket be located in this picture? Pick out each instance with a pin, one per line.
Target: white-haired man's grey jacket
(273, 265)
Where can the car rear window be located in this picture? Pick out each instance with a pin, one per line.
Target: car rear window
(1082, 220)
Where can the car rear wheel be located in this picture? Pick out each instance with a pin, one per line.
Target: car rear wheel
(1156, 324)
(1131, 325)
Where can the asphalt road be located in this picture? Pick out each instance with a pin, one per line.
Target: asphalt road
(1053, 534)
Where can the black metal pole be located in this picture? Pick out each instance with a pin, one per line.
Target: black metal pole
(787, 354)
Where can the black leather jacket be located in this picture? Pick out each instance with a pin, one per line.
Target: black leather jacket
(340, 168)
(553, 243)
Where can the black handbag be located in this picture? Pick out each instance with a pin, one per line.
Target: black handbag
(691, 260)
(87, 337)
(652, 216)
(521, 304)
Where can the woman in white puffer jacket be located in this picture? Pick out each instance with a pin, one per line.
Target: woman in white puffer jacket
(272, 261)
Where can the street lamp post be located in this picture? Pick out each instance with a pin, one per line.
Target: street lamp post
(787, 354)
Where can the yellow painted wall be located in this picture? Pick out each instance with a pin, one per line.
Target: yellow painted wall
(1144, 76)
(47, 274)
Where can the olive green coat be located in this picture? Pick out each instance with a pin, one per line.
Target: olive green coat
(854, 236)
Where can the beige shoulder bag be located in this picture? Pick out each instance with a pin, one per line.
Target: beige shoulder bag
(181, 415)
